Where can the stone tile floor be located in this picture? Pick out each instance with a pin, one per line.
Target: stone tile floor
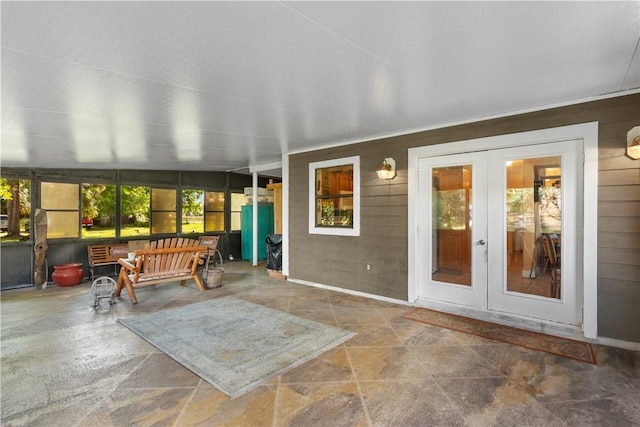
(66, 364)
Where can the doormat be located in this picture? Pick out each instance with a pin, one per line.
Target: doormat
(235, 345)
(558, 346)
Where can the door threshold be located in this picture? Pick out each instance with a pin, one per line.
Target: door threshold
(508, 319)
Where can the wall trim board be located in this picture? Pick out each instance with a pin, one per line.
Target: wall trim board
(612, 342)
(349, 291)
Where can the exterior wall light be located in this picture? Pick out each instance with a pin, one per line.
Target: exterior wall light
(387, 169)
(633, 143)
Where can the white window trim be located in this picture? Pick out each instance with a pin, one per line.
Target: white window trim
(355, 230)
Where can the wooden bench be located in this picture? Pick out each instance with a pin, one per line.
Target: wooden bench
(211, 243)
(110, 253)
(168, 260)
(106, 254)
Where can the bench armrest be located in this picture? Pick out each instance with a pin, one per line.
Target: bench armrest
(127, 264)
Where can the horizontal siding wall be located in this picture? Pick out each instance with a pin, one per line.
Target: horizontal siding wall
(618, 228)
(341, 261)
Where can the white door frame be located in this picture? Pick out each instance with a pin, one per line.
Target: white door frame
(588, 132)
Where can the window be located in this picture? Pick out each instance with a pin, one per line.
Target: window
(62, 203)
(237, 200)
(213, 211)
(15, 208)
(192, 211)
(98, 211)
(134, 211)
(163, 210)
(334, 197)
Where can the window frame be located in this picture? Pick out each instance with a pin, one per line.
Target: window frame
(354, 161)
(163, 211)
(223, 211)
(121, 212)
(83, 231)
(181, 209)
(25, 228)
(77, 209)
(231, 211)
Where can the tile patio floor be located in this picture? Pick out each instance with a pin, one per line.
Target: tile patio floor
(66, 364)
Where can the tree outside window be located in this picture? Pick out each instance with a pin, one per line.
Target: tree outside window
(98, 210)
(135, 202)
(15, 195)
(192, 211)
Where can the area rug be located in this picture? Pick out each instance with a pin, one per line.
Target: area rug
(233, 344)
(565, 347)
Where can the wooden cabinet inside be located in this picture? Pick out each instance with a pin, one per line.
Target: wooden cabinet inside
(454, 250)
(454, 178)
(453, 186)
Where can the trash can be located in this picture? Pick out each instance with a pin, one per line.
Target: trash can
(274, 252)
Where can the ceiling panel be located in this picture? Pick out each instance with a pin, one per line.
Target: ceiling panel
(226, 85)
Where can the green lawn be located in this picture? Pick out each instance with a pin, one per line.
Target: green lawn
(98, 232)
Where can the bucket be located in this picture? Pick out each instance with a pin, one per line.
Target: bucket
(212, 275)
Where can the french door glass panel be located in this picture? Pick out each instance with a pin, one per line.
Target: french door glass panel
(453, 267)
(452, 191)
(534, 231)
(533, 203)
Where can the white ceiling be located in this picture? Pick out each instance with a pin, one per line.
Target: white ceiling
(225, 85)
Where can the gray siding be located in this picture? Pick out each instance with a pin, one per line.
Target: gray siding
(341, 261)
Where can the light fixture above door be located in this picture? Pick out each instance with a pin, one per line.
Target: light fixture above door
(387, 169)
(633, 143)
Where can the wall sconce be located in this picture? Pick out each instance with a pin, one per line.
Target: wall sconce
(633, 143)
(387, 169)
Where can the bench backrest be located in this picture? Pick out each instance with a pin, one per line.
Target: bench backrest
(170, 256)
(211, 242)
(136, 245)
(107, 253)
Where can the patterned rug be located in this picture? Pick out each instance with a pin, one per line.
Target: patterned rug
(233, 344)
(565, 347)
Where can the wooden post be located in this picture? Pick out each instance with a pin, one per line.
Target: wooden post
(40, 248)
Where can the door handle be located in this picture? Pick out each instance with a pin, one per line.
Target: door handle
(481, 242)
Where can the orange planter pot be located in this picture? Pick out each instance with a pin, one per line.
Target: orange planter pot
(68, 274)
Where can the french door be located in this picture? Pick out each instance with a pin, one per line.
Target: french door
(498, 230)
